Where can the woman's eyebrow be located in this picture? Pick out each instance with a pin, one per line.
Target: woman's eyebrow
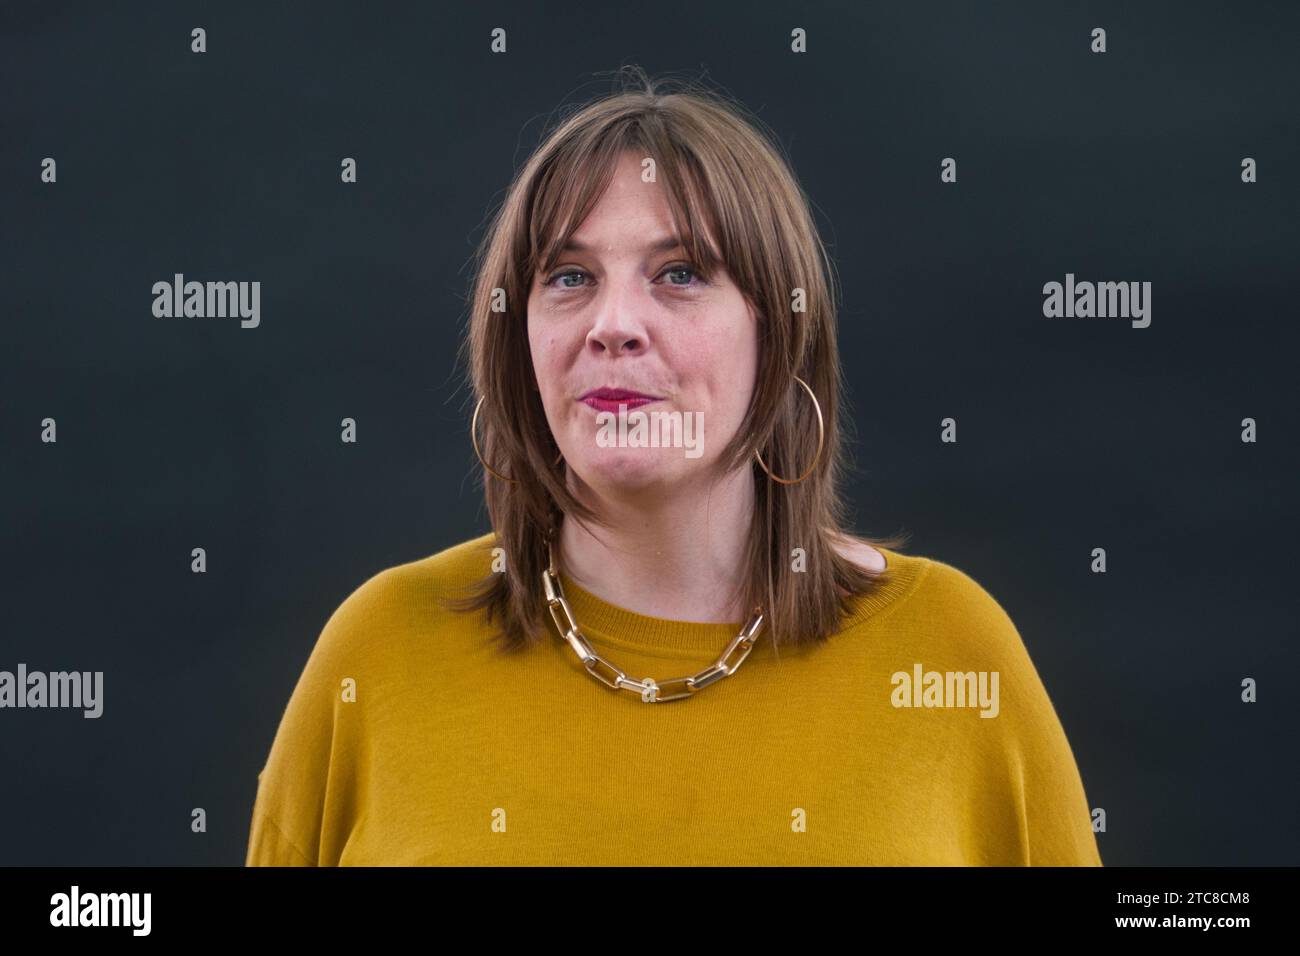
(655, 245)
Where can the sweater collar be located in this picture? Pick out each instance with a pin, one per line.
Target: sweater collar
(609, 624)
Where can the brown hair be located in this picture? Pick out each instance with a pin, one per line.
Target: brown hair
(722, 175)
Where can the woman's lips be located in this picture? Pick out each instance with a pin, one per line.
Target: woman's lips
(609, 399)
(612, 404)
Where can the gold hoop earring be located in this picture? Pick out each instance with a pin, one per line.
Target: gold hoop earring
(821, 438)
(473, 437)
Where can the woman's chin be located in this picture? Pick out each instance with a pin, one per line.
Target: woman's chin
(630, 469)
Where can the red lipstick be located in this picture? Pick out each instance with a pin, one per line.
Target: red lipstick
(609, 399)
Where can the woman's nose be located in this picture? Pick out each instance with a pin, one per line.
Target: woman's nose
(617, 326)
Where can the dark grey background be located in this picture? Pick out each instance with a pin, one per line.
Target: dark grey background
(1074, 433)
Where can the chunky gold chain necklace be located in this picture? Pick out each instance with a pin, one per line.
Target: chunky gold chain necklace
(650, 690)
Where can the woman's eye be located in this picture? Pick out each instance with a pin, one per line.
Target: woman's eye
(564, 275)
(686, 271)
(682, 276)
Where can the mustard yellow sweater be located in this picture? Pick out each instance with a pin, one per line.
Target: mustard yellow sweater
(408, 740)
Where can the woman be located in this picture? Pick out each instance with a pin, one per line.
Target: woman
(824, 699)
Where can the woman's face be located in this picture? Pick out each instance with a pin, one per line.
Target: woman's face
(622, 309)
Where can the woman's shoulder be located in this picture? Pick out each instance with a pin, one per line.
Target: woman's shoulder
(955, 593)
(951, 605)
(953, 596)
(442, 573)
(405, 595)
(953, 621)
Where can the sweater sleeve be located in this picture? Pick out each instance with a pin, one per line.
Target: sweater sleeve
(1027, 805)
(268, 846)
(1043, 778)
(307, 791)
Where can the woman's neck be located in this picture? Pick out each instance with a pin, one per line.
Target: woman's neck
(679, 556)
